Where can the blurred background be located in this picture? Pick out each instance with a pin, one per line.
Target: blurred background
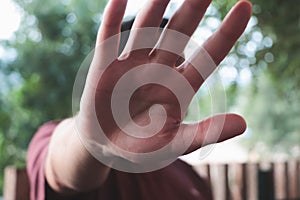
(42, 44)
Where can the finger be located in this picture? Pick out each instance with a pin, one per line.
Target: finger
(184, 23)
(111, 26)
(231, 29)
(108, 37)
(112, 19)
(150, 16)
(214, 129)
(205, 60)
(107, 43)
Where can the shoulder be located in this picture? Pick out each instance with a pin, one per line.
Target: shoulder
(41, 138)
(36, 157)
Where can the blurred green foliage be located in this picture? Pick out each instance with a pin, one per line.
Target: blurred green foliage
(281, 20)
(273, 103)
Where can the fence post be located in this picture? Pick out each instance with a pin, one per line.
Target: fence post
(252, 181)
(238, 182)
(16, 185)
(293, 178)
(281, 180)
(298, 177)
(219, 180)
(265, 182)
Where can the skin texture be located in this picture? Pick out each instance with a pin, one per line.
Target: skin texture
(70, 168)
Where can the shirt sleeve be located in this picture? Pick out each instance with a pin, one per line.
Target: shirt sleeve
(36, 157)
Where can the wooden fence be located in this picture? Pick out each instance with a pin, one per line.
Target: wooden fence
(253, 181)
(246, 181)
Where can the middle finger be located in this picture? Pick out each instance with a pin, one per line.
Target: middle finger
(182, 25)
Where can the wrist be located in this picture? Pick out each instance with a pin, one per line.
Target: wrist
(93, 139)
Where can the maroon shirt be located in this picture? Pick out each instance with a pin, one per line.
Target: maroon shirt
(178, 181)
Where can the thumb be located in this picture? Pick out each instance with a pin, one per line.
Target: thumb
(214, 129)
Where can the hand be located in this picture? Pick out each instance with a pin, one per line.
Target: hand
(155, 114)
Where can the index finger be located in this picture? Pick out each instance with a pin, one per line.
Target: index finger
(218, 45)
(107, 44)
(112, 19)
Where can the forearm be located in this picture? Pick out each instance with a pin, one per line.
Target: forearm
(70, 168)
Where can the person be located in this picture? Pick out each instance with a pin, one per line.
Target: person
(59, 164)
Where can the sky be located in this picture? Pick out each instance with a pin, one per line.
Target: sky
(134, 5)
(10, 16)
(9, 19)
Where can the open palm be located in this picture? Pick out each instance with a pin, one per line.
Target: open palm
(133, 94)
